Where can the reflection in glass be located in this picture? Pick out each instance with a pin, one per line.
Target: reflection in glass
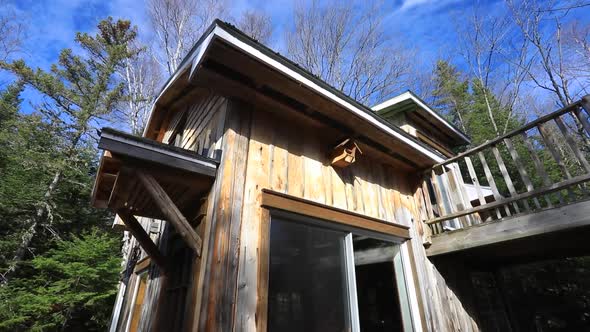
(307, 279)
(378, 300)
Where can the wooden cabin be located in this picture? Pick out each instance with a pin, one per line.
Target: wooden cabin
(262, 199)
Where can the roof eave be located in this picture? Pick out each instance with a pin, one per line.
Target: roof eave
(410, 96)
(222, 31)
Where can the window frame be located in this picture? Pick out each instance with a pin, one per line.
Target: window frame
(401, 283)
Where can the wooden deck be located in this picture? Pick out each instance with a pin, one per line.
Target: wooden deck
(509, 231)
(528, 183)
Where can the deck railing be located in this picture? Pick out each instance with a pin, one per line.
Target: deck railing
(538, 166)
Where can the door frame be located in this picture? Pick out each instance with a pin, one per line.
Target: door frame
(289, 208)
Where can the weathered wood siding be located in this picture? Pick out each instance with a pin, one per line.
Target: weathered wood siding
(293, 160)
(199, 126)
(260, 150)
(199, 123)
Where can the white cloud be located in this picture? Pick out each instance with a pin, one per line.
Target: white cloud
(407, 4)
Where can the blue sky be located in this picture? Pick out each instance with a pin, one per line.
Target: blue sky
(425, 24)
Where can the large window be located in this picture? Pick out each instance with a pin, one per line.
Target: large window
(324, 278)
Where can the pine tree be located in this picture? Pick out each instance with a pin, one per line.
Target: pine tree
(82, 90)
(451, 94)
(71, 287)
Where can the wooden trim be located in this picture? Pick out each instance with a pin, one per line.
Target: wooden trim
(263, 272)
(424, 138)
(155, 152)
(142, 265)
(273, 199)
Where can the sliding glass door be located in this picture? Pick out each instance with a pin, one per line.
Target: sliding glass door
(323, 277)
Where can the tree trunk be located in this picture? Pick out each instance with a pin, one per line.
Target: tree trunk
(32, 230)
(40, 212)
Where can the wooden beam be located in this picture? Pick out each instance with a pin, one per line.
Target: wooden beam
(272, 199)
(529, 194)
(143, 238)
(172, 213)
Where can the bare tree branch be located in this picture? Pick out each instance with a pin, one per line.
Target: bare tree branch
(257, 25)
(178, 24)
(346, 46)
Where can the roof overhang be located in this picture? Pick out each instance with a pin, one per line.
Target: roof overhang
(185, 176)
(225, 58)
(408, 101)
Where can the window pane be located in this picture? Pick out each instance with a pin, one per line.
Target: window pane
(378, 300)
(307, 280)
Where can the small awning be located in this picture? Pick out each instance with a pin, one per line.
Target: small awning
(183, 174)
(141, 177)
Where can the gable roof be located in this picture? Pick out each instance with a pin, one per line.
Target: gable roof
(409, 101)
(222, 32)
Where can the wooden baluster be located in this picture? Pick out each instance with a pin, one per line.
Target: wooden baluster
(521, 170)
(426, 194)
(475, 181)
(461, 193)
(443, 208)
(507, 178)
(451, 192)
(583, 118)
(551, 147)
(428, 203)
(491, 181)
(540, 169)
(572, 144)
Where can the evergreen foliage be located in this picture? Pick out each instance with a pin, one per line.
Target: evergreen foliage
(70, 287)
(59, 262)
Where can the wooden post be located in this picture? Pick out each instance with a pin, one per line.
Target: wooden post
(143, 238)
(172, 213)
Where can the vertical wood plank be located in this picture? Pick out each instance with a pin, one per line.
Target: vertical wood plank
(226, 222)
(338, 188)
(254, 216)
(295, 176)
(312, 158)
